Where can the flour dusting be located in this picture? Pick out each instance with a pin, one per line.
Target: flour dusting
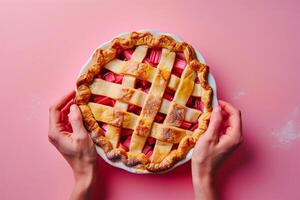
(290, 131)
(239, 95)
(34, 108)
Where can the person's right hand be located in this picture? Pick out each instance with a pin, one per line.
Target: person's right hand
(214, 146)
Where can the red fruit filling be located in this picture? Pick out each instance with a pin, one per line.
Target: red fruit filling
(191, 102)
(180, 56)
(177, 71)
(126, 143)
(110, 76)
(147, 61)
(175, 146)
(169, 94)
(195, 102)
(179, 65)
(198, 104)
(147, 148)
(189, 125)
(134, 109)
(103, 126)
(126, 132)
(103, 100)
(123, 147)
(149, 153)
(186, 125)
(125, 54)
(151, 141)
(194, 126)
(160, 117)
(153, 57)
(142, 85)
(118, 79)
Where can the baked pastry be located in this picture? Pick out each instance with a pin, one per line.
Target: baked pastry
(146, 100)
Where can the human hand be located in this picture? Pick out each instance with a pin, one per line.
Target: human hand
(214, 146)
(76, 147)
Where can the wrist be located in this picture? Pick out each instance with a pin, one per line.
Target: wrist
(203, 182)
(84, 184)
(204, 188)
(202, 169)
(86, 174)
(202, 174)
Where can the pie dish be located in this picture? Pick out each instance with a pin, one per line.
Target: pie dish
(146, 99)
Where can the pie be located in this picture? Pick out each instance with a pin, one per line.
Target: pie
(146, 100)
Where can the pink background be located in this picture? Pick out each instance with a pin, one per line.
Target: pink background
(252, 48)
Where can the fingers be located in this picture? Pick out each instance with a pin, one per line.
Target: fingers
(54, 117)
(64, 100)
(234, 116)
(56, 107)
(233, 134)
(230, 109)
(215, 122)
(75, 119)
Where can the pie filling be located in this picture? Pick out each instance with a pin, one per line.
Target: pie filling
(153, 57)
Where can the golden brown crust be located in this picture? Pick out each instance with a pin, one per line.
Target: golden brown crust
(83, 95)
(142, 128)
(102, 57)
(140, 70)
(126, 94)
(170, 135)
(177, 114)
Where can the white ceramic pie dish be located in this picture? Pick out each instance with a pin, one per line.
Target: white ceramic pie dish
(211, 81)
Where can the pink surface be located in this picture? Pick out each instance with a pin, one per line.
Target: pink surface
(252, 48)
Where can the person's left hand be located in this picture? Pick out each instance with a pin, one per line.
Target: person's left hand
(77, 147)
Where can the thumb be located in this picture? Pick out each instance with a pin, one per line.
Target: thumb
(215, 122)
(75, 119)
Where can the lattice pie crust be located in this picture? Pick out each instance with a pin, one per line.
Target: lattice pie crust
(167, 133)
